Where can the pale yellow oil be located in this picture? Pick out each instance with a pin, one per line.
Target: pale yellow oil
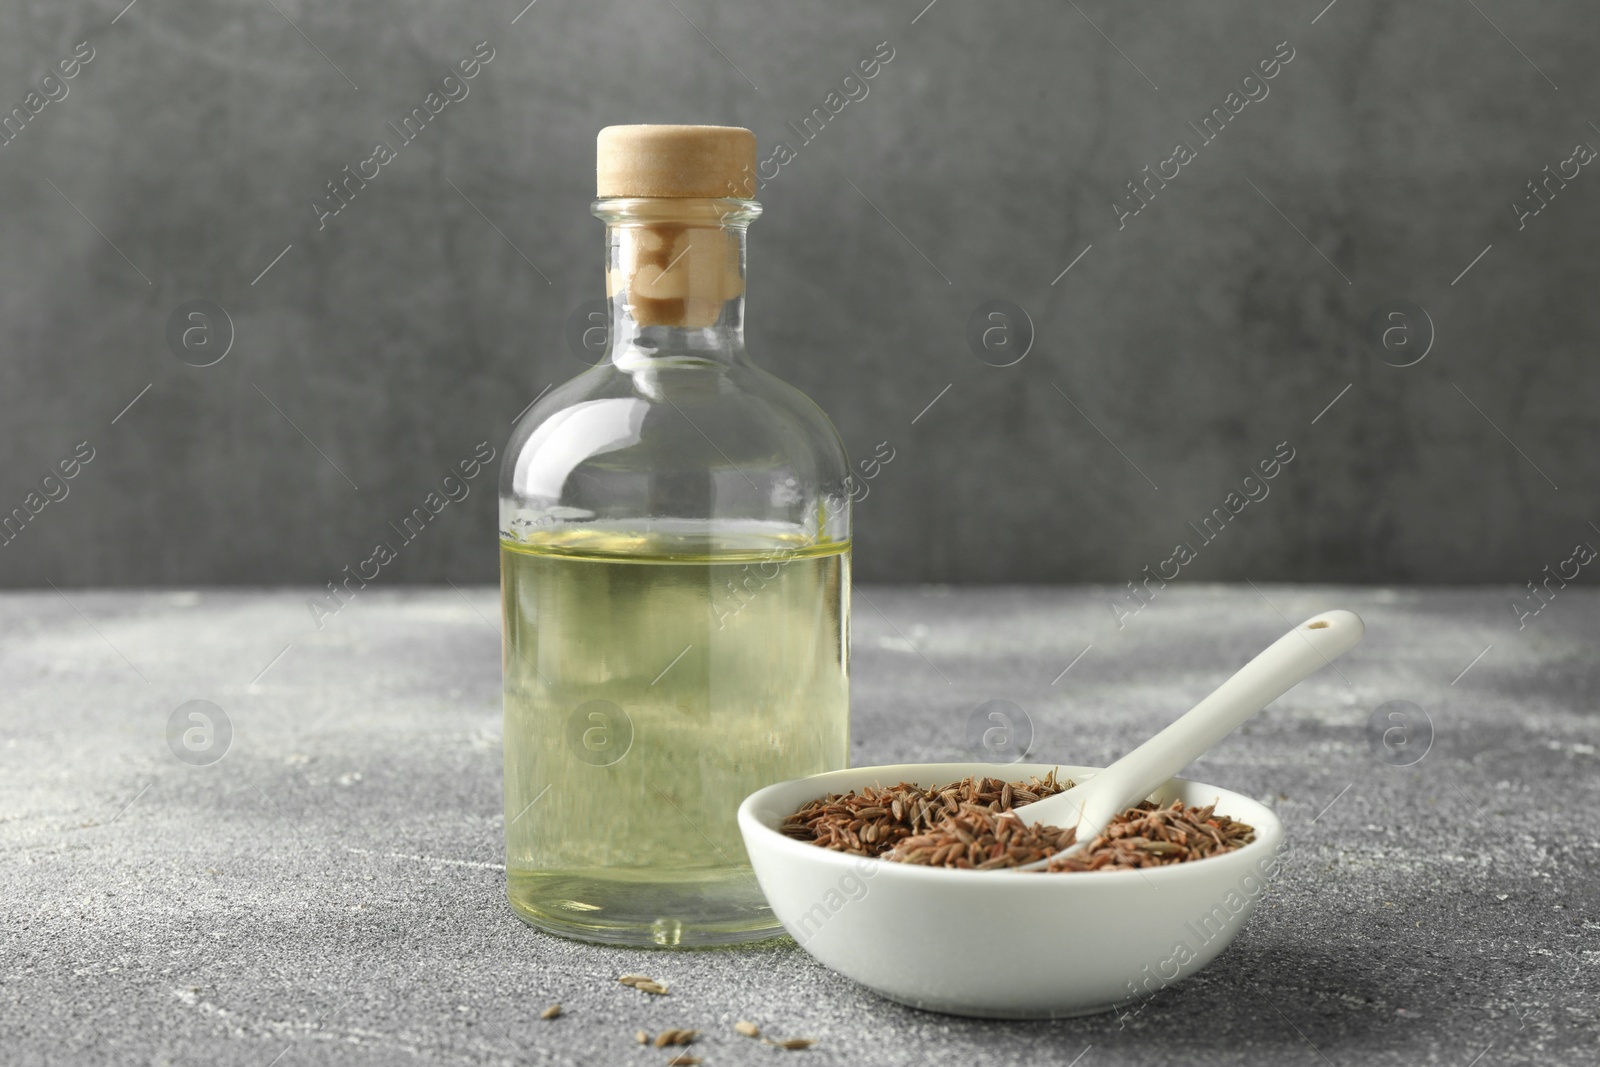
(651, 684)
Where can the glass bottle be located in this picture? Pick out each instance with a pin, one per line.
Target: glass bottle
(675, 574)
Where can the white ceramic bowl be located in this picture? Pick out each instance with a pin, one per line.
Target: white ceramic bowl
(1003, 944)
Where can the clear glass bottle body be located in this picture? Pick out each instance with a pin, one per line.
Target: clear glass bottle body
(675, 569)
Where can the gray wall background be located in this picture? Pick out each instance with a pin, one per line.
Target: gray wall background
(1173, 356)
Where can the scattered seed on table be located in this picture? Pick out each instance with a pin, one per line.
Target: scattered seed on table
(793, 1043)
(747, 1029)
(551, 1012)
(675, 1037)
(643, 983)
(641, 1037)
(685, 1061)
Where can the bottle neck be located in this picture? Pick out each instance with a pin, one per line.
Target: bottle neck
(675, 277)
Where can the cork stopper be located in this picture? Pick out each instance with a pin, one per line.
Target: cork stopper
(674, 259)
(675, 161)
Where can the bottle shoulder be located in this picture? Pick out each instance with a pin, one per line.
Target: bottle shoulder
(691, 439)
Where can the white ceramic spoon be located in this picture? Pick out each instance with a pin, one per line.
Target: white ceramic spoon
(1091, 805)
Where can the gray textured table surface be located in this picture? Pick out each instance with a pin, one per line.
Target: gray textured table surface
(331, 890)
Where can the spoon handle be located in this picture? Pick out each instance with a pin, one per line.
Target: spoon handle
(1302, 651)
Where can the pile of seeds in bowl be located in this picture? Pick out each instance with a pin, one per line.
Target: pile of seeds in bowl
(966, 826)
(982, 841)
(1151, 836)
(877, 820)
